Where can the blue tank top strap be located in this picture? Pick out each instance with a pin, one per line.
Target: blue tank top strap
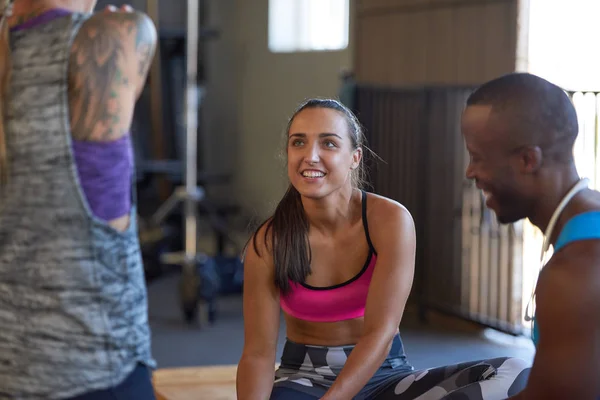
(583, 226)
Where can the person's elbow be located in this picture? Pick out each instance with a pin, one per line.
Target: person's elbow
(382, 325)
(258, 355)
(381, 337)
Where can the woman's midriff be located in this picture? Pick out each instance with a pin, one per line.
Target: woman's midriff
(340, 333)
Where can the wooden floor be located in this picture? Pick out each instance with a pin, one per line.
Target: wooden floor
(195, 383)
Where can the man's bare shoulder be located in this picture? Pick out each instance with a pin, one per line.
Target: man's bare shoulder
(568, 298)
(570, 282)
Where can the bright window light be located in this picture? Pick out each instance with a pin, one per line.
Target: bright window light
(562, 49)
(562, 42)
(308, 25)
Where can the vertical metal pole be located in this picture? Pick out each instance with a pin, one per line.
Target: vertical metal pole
(191, 134)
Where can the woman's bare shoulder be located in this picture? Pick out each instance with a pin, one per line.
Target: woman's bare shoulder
(382, 208)
(260, 244)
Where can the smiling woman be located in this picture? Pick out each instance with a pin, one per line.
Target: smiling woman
(324, 155)
(308, 147)
(341, 271)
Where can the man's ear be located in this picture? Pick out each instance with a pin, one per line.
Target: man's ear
(530, 159)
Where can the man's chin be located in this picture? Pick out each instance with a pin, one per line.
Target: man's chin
(506, 219)
(503, 220)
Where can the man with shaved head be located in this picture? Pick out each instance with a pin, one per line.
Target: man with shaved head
(520, 130)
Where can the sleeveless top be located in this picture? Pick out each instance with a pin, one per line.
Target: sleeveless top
(73, 307)
(103, 168)
(583, 226)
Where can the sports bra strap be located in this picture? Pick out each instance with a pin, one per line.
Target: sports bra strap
(365, 222)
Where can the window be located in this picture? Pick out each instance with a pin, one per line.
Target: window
(308, 25)
(562, 40)
(561, 48)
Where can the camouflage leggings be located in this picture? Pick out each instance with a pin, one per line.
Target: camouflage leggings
(306, 372)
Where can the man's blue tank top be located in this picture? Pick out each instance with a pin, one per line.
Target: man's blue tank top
(583, 226)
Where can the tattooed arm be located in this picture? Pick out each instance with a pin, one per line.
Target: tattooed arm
(108, 66)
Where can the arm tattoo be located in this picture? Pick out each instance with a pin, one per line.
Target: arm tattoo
(98, 56)
(95, 57)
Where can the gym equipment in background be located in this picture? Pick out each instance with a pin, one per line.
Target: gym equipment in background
(176, 74)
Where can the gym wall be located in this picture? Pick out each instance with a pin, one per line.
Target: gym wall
(410, 100)
(270, 86)
(415, 42)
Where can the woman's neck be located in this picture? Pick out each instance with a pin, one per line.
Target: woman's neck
(333, 212)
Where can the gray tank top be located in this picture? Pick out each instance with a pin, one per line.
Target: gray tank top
(73, 301)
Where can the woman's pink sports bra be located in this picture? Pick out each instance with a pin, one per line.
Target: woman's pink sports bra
(333, 303)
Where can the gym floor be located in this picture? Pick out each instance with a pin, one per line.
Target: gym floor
(177, 344)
